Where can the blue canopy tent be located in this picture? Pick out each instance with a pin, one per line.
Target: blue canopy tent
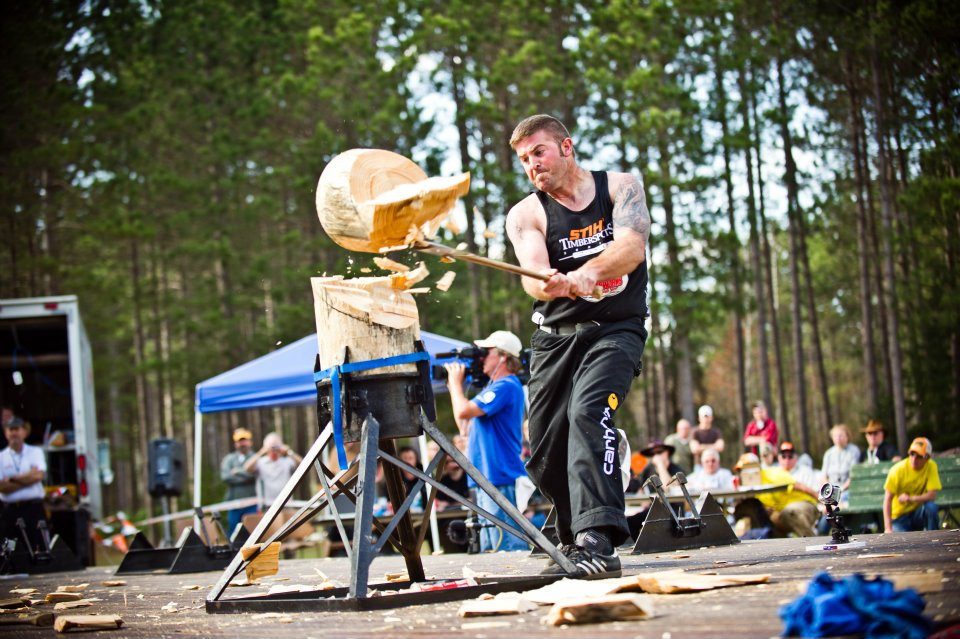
(281, 378)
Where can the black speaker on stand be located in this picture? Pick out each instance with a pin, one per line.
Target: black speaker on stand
(165, 468)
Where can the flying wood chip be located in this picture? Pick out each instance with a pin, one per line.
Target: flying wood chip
(445, 281)
(390, 265)
(406, 280)
(452, 226)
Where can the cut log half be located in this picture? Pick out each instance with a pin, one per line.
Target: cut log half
(371, 199)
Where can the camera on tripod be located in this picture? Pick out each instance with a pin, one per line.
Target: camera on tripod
(472, 358)
(467, 531)
(829, 496)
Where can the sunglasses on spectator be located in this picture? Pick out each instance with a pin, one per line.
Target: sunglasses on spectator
(786, 453)
(914, 453)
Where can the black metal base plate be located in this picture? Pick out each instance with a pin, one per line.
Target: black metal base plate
(658, 533)
(337, 599)
(61, 559)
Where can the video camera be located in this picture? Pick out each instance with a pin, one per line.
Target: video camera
(467, 532)
(472, 358)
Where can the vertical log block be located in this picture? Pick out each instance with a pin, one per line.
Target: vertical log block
(367, 315)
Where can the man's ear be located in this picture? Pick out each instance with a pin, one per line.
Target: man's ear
(566, 147)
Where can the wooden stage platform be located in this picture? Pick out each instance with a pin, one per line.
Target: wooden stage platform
(930, 561)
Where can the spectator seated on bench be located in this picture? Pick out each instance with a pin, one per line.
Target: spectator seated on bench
(865, 510)
(792, 509)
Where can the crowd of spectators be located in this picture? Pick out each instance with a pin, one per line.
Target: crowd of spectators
(910, 488)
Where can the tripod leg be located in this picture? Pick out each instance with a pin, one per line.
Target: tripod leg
(483, 483)
(363, 553)
(397, 494)
(275, 510)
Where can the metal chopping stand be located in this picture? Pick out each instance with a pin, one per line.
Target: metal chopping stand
(375, 410)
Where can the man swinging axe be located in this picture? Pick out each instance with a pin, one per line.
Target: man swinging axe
(586, 231)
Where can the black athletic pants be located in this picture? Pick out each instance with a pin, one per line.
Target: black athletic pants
(577, 383)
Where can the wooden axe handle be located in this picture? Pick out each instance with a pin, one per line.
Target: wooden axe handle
(445, 251)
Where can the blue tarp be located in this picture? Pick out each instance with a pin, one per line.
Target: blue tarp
(283, 377)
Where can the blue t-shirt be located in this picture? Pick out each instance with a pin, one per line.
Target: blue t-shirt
(494, 444)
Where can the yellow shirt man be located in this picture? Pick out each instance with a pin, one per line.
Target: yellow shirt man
(912, 485)
(782, 498)
(791, 509)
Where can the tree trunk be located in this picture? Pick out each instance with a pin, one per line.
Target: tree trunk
(875, 263)
(463, 135)
(139, 359)
(863, 245)
(734, 246)
(783, 415)
(790, 177)
(889, 273)
(821, 373)
(162, 414)
(755, 265)
(681, 341)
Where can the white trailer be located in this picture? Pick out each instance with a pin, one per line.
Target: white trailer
(46, 377)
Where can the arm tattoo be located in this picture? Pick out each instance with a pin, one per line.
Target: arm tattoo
(630, 210)
(518, 229)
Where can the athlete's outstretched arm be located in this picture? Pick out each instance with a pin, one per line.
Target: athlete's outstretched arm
(530, 245)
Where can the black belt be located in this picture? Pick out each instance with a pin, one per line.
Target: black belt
(568, 329)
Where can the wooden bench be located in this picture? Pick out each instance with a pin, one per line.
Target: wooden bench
(866, 491)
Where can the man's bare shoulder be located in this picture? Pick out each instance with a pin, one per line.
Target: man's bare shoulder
(617, 181)
(526, 214)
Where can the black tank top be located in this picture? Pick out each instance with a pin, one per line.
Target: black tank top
(575, 237)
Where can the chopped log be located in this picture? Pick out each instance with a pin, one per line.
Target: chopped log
(367, 315)
(73, 588)
(506, 603)
(677, 581)
(567, 588)
(15, 611)
(32, 618)
(358, 303)
(13, 602)
(23, 591)
(113, 583)
(69, 605)
(370, 199)
(87, 622)
(619, 607)
(57, 597)
(265, 564)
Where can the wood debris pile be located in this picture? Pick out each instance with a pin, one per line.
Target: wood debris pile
(575, 601)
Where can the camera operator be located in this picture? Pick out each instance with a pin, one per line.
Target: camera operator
(492, 423)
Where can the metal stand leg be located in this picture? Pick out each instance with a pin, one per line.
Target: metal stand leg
(257, 536)
(362, 553)
(409, 546)
(532, 534)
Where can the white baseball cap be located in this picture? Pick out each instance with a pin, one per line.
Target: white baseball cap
(504, 340)
(705, 411)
